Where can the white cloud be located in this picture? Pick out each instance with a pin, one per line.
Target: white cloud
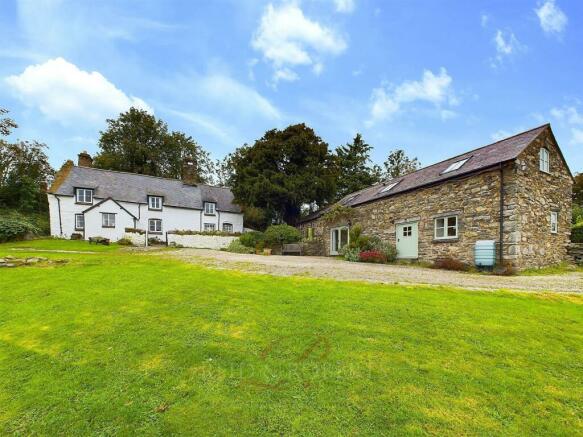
(506, 45)
(570, 117)
(63, 92)
(387, 100)
(287, 38)
(285, 74)
(484, 19)
(235, 96)
(552, 19)
(345, 6)
(208, 124)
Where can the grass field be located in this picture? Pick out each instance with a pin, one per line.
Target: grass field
(116, 342)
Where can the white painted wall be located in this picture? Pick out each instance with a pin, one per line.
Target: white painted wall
(172, 218)
(201, 241)
(94, 222)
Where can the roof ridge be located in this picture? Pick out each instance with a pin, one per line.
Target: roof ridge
(469, 151)
(145, 175)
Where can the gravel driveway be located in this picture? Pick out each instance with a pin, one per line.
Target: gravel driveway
(332, 268)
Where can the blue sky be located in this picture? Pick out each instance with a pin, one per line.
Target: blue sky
(434, 78)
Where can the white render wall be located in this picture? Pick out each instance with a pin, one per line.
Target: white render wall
(172, 218)
(201, 241)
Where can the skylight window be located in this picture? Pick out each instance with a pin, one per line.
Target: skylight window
(388, 187)
(455, 166)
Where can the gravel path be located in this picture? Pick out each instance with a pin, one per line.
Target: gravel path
(341, 270)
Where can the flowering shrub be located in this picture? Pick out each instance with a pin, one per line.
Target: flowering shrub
(373, 256)
(352, 255)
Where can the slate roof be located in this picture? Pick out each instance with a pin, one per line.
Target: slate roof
(132, 187)
(479, 159)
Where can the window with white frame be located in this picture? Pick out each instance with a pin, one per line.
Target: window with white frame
(79, 222)
(544, 161)
(107, 220)
(209, 227)
(228, 227)
(155, 202)
(155, 225)
(84, 195)
(209, 208)
(554, 222)
(446, 227)
(455, 165)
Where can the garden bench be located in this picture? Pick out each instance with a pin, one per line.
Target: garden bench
(99, 240)
(294, 248)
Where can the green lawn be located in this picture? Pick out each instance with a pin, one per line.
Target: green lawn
(125, 343)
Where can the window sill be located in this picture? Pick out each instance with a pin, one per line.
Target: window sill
(446, 240)
(154, 209)
(108, 227)
(155, 233)
(214, 214)
(83, 203)
(79, 229)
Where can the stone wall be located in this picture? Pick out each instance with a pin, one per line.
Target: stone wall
(475, 200)
(534, 194)
(529, 197)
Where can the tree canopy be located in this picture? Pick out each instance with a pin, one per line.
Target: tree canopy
(282, 171)
(6, 124)
(24, 171)
(355, 168)
(399, 164)
(138, 142)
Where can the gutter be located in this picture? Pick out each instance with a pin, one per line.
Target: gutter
(501, 215)
(60, 220)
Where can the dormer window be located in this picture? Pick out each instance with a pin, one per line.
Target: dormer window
(455, 166)
(155, 203)
(209, 208)
(84, 195)
(544, 161)
(388, 188)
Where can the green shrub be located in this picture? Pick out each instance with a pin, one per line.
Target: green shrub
(15, 226)
(125, 242)
(250, 239)
(282, 234)
(350, 254)
(387, 249)
(359, 241)
(237, 247)
(577, 214)
(577, 233)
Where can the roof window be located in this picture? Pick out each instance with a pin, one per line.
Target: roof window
(388, 187)
(455, 166)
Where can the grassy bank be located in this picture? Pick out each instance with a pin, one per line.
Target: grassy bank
(120, 342)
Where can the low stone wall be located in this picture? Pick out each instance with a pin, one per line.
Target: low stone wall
(137, 239)
(200, 241)
(576, 251)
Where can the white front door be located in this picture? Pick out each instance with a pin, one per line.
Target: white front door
(338, 239)
(407, 240)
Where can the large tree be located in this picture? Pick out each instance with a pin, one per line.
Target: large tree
(282, 171)
(6, 124)
(138, 142)
(578, 198)
(24, 171)
(399, 164)
(355, 169)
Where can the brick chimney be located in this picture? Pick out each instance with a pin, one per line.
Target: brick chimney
(85, 160)
(190, 171)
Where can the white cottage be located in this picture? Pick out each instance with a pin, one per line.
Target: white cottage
(103, 203)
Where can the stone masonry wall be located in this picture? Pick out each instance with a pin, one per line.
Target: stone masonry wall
(537, 194)
(529, 197)
(475, 200)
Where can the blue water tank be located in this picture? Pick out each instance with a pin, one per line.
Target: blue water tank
(485, 253)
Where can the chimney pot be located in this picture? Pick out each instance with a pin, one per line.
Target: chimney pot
(190, 171)
(85, 160)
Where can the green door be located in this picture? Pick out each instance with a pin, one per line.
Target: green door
(407, 240)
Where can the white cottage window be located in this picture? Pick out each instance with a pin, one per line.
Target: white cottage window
(155, 225)
(544, 161)
(79, 222)
(209, 227)
(209, 208)
(84, 195)
(446, 227)
(107, 220)
(228, 227)
(155, 202)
